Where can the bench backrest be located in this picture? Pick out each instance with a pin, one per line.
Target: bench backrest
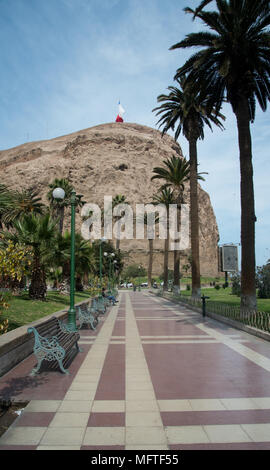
(49, 328)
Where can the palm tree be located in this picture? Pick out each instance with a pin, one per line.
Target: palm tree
(15, 204)
(5, 202)
(183, 109)
(37, 232)
(118, 199)
(175, 173)
(23, 202)
(58, 206)
(60, 257)
(233, 65)
(151, 246)
(166, 197)
(204, 3)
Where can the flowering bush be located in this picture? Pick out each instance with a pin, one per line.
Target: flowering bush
(15, 262)
(3, 323)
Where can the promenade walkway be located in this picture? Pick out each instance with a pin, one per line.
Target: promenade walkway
(155, 375)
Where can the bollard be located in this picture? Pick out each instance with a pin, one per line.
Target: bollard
(204, 297)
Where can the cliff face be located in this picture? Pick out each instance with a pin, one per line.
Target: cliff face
(109, 159)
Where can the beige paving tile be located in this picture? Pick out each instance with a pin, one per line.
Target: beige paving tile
(206, 405)
(145, 395)
(259, 432)
(86, 378)
(89, 372)
(146, 435)
(239, 403)
(108, 406)
(262, 402)
(22, 435)
(174, 405)
(59, 447)
(73, 406)
(63, 436)
(143, 418)
(97, 436)
(144, 385)
(137, 369)
(141, 405)
(186, 435)
(149, 447)
(226, 433)
(135, 378)
(43, 405)
(65, 419)
(80, 395)
(82, 386)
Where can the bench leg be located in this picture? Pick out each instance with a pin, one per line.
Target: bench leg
(92, 326)
(78, 348)
(36, 369)
(62, 367)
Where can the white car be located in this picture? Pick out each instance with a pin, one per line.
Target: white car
(130, 284)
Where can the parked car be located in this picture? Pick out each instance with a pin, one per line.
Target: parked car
(144, 284)
(130, 284)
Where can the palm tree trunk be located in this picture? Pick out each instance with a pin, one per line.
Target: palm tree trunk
(194, 220)
(248, 264)
(117, 243)
(166, 261)
(38, 288)
(61, 214)
(150, 262)
(176, 254)
(64, 287)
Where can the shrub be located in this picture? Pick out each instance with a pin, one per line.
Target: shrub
(3, 306)
(236, 285)
(263, 281)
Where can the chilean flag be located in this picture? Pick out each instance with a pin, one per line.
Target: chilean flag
(121, 111)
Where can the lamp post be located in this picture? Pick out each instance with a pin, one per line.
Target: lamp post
(102, 240)
(114, 264)
(111, 256)
(59, 194)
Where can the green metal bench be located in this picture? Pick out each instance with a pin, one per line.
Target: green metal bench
(87, 314)
(101, 305)
(54, 343)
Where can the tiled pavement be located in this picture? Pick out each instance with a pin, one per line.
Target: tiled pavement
(153, 376)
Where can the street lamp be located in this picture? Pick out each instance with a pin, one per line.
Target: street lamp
(59, 194)
(114, 265)
(110, 256)
(102, 240)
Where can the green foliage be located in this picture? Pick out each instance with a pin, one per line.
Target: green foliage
(236, 285)
(133, 271)
(3, 306)
(107, 247)
(15, 263)
(185, 107)
(170, 275)
(263, 281)
(15, 204)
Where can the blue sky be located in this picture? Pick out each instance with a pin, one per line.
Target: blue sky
(66, 63)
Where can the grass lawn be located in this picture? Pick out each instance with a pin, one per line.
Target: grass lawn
(23, 310)
(225, 296)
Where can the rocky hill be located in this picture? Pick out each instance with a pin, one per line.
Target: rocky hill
(109, 159)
